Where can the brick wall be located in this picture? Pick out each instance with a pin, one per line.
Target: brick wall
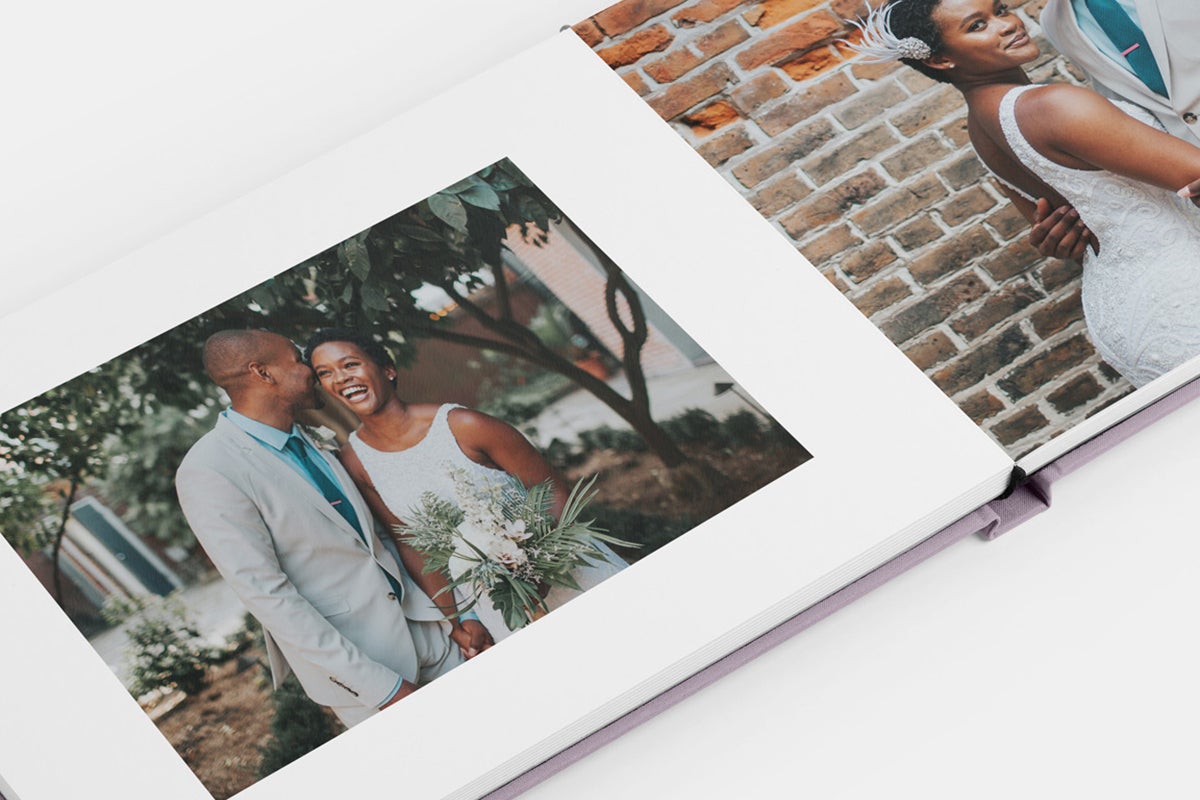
(868, 169)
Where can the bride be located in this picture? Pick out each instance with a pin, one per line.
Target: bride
(403, 450)
(1108, 159)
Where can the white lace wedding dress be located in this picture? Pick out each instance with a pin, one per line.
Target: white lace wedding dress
(402, 477)
(1141, 295)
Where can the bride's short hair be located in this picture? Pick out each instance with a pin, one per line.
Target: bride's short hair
(909, 19)
(373, 349)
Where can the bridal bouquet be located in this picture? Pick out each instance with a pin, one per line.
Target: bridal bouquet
(501, 541)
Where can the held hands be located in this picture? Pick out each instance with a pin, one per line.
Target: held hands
(1059, 233)
(471, 637)
(1191, 192)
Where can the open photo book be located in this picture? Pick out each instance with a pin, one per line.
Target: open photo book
(657, 430)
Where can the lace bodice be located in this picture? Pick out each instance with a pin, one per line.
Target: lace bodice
(402, 476)
(1141, 295)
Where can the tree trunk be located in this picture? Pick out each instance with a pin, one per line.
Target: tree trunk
(58, 539)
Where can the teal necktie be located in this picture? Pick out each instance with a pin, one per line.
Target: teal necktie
(1130, 40)
(336, 497)
(332, 492)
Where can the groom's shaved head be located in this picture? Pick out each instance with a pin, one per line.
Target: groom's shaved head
(228, 354)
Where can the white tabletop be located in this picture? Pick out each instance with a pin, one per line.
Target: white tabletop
(1059, 660)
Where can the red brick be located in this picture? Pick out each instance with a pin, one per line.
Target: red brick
(1074, 393)
(813, 64)
(956, 253)
(673, 65)
(868, 260)
(869, 71)
(920, 231)
(630, 50)
(867, 104)
(1014, 258)
(936, 106)
(931, 350)
(627, 15)
(981, 405)
(802, 105)
(966, 204)
(676, 64)
(982, 360)
(853, 9)
(711, 117)
(773, 197)
(832, 204)
(934, 308)
(772, 12)
(1046, 367)
(1019, 425)
(831, 242)
(679, 97)
(786, 42)
(883, 294)
(1058, 316)
(844, 156)
(636, 82)
(1007, 221)
(589, 32)
(900, 204)
(720, 149)
(997, 308)
(915, 157)
(704, 11)
(1058, 272)
(783, 153)
(722, 38)
(750, 96)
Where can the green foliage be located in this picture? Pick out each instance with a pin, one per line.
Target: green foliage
(521, 393)
(649, 531)
(165, 649)
(25, 512)
(298, 727)
(141, 472)
(694, 425)
(743, 428)
(608, 438)
(60, 437)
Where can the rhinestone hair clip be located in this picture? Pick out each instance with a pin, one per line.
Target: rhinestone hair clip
(880, 44)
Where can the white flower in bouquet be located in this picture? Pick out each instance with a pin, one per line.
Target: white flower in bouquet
(502, 542)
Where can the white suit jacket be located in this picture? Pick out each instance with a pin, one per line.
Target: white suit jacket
(1172, 29)
(329, 613)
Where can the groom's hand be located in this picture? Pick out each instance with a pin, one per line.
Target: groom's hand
(471, 637)
(1059, 233)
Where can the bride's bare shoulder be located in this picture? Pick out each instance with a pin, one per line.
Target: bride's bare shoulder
(1057, 103)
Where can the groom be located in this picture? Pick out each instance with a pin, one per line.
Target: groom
(1143, 51)
(287, 529)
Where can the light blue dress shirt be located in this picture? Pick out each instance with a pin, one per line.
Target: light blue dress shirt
(1092, 30)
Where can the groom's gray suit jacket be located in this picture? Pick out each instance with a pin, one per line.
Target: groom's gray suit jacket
(1172, 28)
(329, 613)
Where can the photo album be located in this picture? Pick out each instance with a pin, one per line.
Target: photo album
(458, 444)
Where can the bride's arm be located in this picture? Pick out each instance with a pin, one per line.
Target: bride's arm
(1079, 128)
(469, 634)
(494, 443)
(1056, 231)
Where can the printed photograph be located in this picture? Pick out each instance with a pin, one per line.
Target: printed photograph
(1016, 234)
(290, 512)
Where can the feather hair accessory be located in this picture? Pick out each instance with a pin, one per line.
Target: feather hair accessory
(880, 44)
